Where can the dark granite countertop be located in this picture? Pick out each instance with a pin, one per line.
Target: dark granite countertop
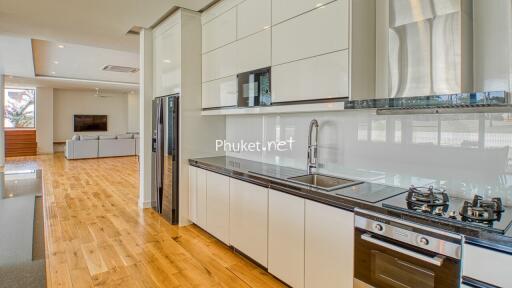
(274, 177)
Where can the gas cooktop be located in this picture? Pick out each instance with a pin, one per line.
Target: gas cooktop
(488, 214)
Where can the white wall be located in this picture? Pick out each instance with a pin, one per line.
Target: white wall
(67, 103)
(466, 153)
(44, 120)
(133, 112)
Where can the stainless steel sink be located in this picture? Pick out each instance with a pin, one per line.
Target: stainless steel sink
(324, 182)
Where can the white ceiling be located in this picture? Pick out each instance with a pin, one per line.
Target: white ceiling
(64, 60)
(98, 23)
(16, 56)
(71, 84)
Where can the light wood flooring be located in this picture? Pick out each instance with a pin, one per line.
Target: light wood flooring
(98, 237)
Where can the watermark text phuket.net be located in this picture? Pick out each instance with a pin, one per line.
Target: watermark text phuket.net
(257, 146)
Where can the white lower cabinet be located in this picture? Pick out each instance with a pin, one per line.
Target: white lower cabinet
(286, 238)
(248, 208)
(487, 265)
(192, 193)
(329, 246)
(217, 206)
(201, 198)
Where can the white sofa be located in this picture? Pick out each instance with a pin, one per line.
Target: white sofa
(84, 147)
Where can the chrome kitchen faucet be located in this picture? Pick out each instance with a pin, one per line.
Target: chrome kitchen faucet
(312, 148)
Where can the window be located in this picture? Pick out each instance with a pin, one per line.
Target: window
(20, 108)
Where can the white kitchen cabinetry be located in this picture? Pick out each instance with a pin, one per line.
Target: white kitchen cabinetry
(320, 77)
(253, 16)
(329, 246)
(487, 265)
(248, 207)
(167, 57)
(286, 9)
(317, 32)
(219, 31)
(253, 52)
(217, 206)
(220, 93)
(220, 63)
(192, 193)
(286, 238)
(201, 198)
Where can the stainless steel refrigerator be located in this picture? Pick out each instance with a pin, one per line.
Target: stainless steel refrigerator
(165, 158)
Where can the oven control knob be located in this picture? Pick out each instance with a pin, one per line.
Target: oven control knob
(424, 241)
(378, 227)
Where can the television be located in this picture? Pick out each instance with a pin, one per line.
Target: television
(89, 123)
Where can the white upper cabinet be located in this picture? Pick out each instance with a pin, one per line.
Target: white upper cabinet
(317, 32)
(253, 16)
(167, 57)
(319, 77)
(217, 206)
(219, 31)
(248, 207)
(329, 246)
(253, 52)
(286, 9)
(286, 238)
(220, 63)
(220, 93)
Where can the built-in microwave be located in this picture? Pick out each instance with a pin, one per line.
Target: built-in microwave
(254, 88)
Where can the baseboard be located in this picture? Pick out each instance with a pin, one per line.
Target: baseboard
(145, 204)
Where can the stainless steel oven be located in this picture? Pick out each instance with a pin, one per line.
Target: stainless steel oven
(392, 253)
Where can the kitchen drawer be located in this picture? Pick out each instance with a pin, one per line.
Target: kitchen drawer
(317, 32)
(286, 9)
(319, 77)
(220, 93)
(253, 16)
(220, 31)
(253, 52)
(219, 63)
(487, 265)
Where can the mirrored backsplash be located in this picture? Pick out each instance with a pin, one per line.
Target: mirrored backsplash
(463, 153)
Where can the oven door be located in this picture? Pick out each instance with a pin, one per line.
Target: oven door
(386, 263)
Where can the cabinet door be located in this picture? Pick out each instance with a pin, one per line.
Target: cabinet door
(315, 33)
(201, 198)
(248, 208)
(487, 265)
(320, 77)
(286, 238)
(167, 60)
(219, 63)
(253, 52)
(217, 207)
(220, 93)
(285, 9)
(253, 16)
(192, 193)
(329, 246)
(219, 31)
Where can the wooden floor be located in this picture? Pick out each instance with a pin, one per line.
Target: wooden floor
(98, 237)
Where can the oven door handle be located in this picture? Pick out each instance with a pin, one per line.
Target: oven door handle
(438, 260)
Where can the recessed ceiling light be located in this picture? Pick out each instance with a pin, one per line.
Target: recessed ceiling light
(53, 73)
(167, 61)
(55, 62)
(60, 46)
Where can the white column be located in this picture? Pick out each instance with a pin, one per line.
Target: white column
(145, 118)
(2, 133)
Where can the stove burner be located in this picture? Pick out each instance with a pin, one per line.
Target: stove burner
(421, 196)
(482, 211)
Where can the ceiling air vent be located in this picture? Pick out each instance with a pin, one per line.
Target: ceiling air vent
(114, 68)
